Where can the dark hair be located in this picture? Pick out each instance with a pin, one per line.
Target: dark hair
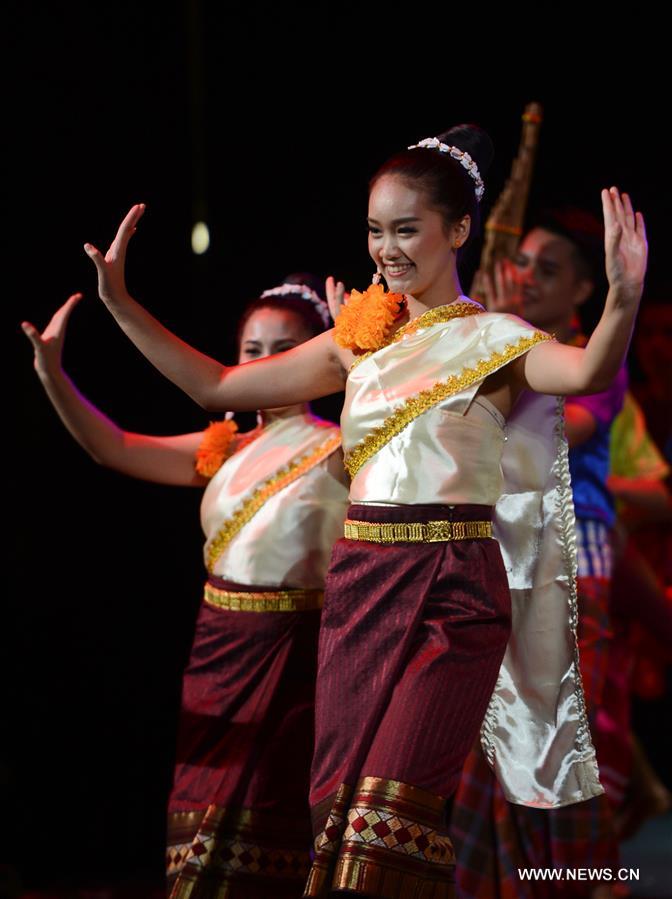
(450, 188)
(584, 231)
(586, 234)
(303, 309)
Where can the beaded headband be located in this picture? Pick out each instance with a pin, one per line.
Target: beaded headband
(465, 160)
(303, 292)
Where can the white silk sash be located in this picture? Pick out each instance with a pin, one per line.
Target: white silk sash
(273, 511)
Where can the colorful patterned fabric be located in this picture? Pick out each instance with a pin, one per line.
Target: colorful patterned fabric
(633, 452)
(594, 550)
(411, 642)
(494, 838)
(589, 462)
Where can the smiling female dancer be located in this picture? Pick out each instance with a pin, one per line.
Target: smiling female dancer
(419, 596)
(275, 500)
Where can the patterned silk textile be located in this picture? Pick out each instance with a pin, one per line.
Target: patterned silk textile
(414, 443)
(239, 820)
(409, 653)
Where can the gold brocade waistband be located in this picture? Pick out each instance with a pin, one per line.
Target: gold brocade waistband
(416, 531)
(266, 601)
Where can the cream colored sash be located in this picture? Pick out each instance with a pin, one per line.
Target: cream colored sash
(285, 451)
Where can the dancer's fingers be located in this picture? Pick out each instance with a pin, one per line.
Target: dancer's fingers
(608, 209)
(629, 212)
(95, 255)
(125, 231)
(69, 305)
(335, 295)
(32, 334)
(619, 212)
(60, 318)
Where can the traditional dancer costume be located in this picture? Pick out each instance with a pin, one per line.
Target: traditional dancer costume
(432, 629)
(239, 823)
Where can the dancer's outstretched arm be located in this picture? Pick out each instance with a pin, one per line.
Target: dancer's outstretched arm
(306, 372)
(164, 460)
(555, 368)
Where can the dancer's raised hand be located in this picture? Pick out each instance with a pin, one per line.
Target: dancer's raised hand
(110, 267)
(48, 345)
(336, 295)
(625, 244)
(501, 293)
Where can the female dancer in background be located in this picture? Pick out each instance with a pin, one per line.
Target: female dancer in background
(274, 503)
(418, 596)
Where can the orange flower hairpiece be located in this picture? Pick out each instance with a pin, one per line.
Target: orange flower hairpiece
(367, 319)
(215, 446)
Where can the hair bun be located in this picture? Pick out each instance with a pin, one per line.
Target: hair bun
(474, 141)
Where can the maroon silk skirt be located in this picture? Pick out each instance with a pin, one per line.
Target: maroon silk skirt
(411, 642)
(238, 815)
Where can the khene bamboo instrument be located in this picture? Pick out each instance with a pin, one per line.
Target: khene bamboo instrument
(504, 226)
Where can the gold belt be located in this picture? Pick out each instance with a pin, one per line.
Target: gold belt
(416, 531)
(268, 601)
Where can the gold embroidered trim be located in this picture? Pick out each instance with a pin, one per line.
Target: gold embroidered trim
(426, 320)
(416, 531)
(249, 507)
(268, 601)
(426, 399)
(564, 505)
(384, 838)
(236, 845)
(409, 799)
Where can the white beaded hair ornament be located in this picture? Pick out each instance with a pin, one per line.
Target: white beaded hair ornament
(303, 292)
(465, 160)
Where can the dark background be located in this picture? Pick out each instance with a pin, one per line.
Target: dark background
(266, 122)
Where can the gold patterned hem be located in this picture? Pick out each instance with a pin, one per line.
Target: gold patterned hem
(431, 317)
(266, 601)
(229, 851)
(386, 840)
(272, 485)
(414, 406)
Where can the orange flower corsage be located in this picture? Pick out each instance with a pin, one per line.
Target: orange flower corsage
(215, 447)
(367, 319)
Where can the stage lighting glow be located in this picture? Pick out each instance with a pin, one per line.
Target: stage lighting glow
(200, 238)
